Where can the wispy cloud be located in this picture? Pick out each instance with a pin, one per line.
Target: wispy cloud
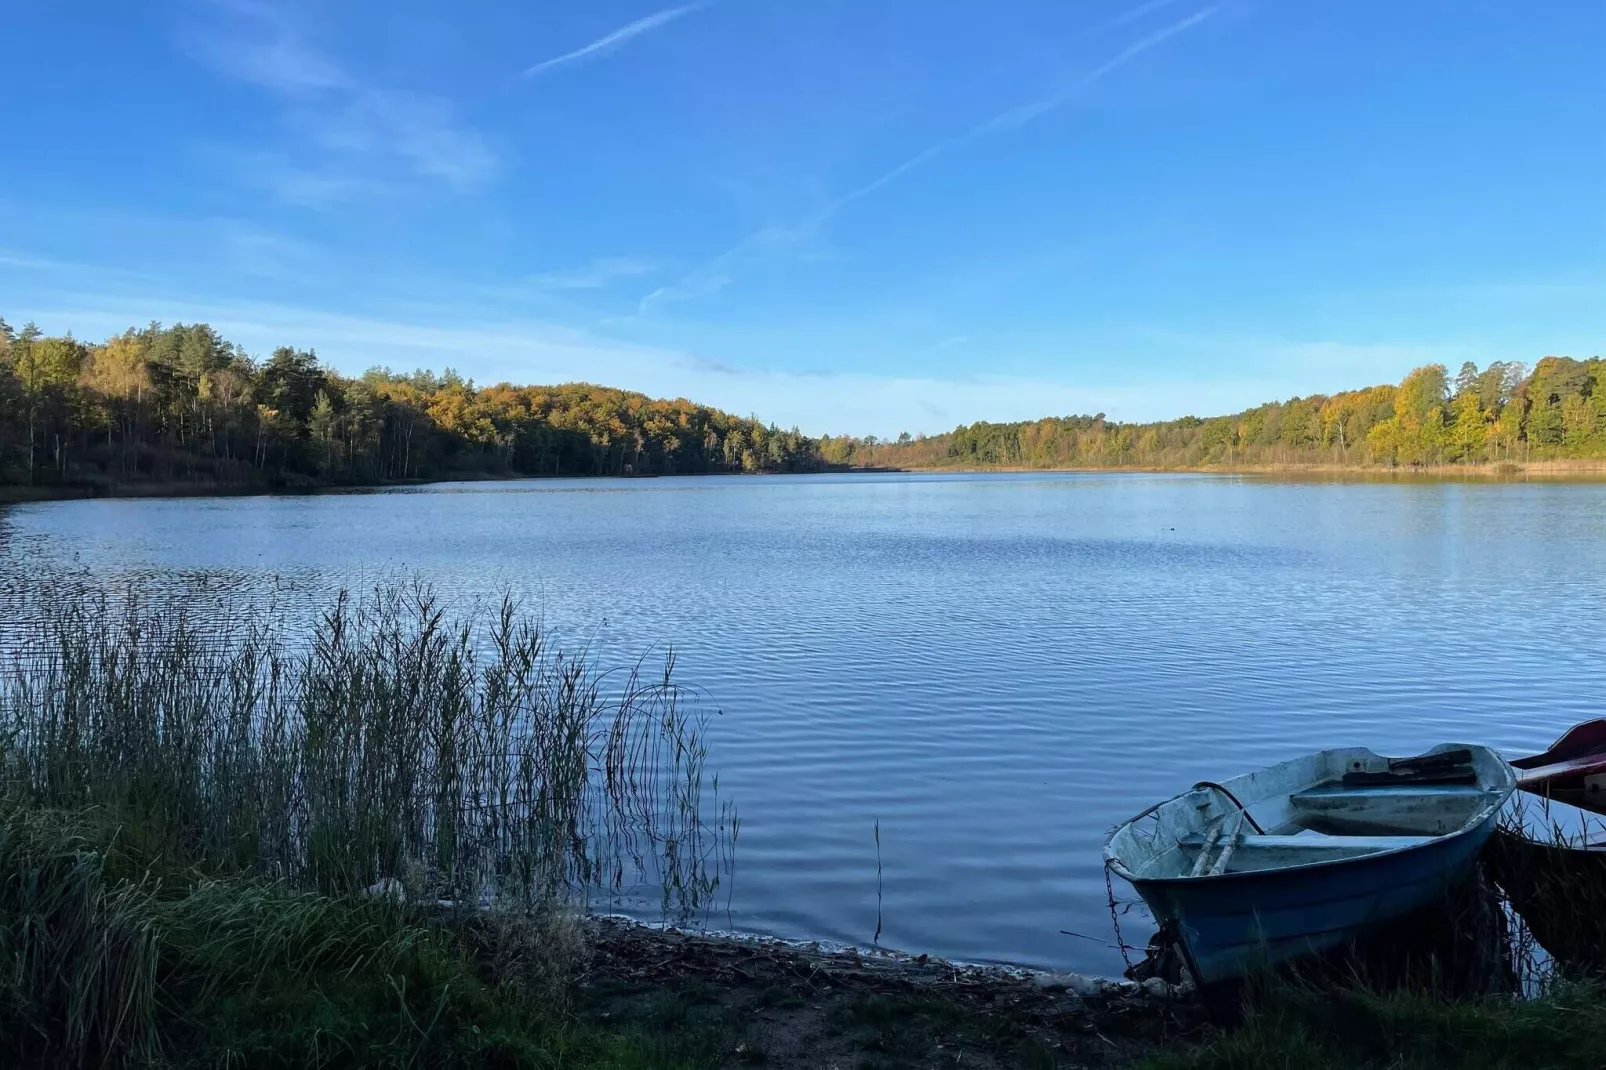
(717, 273)
(165, 247)
(599, 273)
(24, 261)
(618, 37)
(340, 118)
(418, 128)
(951, 343)
(308, 187)
(36, 263)
(261, 251)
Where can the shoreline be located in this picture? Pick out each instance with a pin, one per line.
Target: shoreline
(795, 1005)
(17, 494)
(1564, 470)
(891, 964)
(1580, 470)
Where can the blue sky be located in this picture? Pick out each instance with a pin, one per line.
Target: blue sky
(848, 215)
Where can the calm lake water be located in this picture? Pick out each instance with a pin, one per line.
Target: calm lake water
(996, 668)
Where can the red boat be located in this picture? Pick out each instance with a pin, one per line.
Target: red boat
(1551, 862)
(1572, 771)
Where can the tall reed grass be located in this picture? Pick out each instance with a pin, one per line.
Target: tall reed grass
(228, 839)
(393, 746)
(1549, 859)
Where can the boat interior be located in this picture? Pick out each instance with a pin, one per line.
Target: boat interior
(1326, 807)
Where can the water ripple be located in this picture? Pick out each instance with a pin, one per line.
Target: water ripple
(995, 669)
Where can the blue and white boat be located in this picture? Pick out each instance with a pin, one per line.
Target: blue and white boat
(1299, 857)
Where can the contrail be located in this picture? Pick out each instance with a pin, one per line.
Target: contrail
(1021, 114)
(618, 37)
(716, 273)
(1027, 112)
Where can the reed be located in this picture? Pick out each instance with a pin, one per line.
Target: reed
(1551, 869)
(391, 746)
(227, 838)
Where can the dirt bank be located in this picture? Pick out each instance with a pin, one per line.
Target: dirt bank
(784, 1004)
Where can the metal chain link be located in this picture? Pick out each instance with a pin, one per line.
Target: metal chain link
(1109, 892)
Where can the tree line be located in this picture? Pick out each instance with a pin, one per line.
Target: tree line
(1503, 412)
(179, 404)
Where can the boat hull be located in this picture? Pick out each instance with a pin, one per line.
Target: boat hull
(1235, 923)
(1572, 771)
(1559, 891)
(1320, 848)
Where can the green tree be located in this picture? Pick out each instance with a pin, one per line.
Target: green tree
(45, 363)
(323, 424)
(1553, 392)
(1469, 426)
(46, 370)
(289, 384)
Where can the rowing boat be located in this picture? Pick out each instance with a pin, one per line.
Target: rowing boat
(1300, 856)
(1550, 858)
(1572, 771)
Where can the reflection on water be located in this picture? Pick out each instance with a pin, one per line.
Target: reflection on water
(996, 668)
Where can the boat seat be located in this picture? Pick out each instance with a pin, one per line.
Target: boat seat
(1256, 852)
(1385, 792)
(1386, 809)
(1252, 841)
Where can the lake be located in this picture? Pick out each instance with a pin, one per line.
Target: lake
(994, 669)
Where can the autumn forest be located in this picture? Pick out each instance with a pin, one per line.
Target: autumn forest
(1501, 413)
(180, 406)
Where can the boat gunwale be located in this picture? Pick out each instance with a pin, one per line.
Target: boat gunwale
(1548, 756)
(1473, 823)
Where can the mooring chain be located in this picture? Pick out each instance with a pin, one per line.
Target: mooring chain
(1109, 892)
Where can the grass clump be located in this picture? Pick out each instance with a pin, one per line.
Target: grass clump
(78, 954)
(104, 971)
(1356, 1029)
